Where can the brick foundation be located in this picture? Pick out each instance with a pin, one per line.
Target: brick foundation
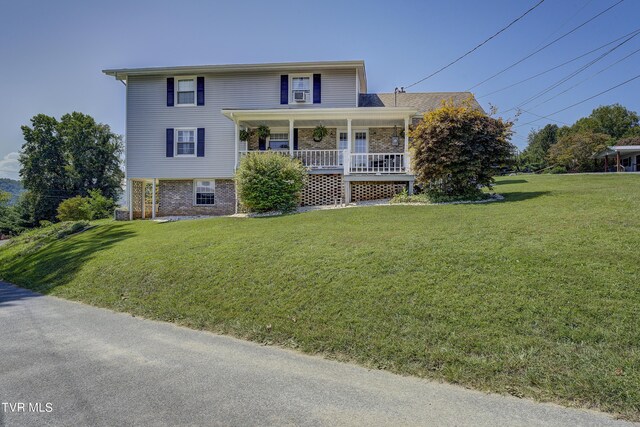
(374, 190)
(176, 198)
(322, 189)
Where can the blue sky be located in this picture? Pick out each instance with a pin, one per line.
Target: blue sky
(53, 52)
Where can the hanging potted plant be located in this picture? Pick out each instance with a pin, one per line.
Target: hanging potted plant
(245, 134)
(263, 131)
(319, 132)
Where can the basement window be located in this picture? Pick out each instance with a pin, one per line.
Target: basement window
(204, 192)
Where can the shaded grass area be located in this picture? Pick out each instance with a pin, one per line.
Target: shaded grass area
(536, 296)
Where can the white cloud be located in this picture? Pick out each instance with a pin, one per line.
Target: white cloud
(9, 166)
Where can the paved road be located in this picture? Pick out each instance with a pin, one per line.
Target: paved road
(97, 367)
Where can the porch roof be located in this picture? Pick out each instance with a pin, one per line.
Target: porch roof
(622, 149)
(328, 116)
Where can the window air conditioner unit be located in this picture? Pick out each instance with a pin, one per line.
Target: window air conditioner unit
(300, 96)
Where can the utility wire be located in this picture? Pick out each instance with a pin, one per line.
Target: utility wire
(564, 23)
(545, 46)
(557, 66)
(588, 78)
(478, 46)
(584, 100)
(572, 75)
(545, 117)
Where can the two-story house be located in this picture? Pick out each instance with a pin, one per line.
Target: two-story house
(183, 127)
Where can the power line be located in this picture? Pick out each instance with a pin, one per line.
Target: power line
(564, 23)
(557, 66)
(588, 78)
(584, 100)
(545, 46)
(572, 74)
(545, 117)
(478, 46)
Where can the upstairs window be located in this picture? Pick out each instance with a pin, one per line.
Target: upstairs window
(301, 89)
(204, 192)
(185, 142)
(186, 91)
(279, 141)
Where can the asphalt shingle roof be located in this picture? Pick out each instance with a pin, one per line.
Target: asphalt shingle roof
(422, 101)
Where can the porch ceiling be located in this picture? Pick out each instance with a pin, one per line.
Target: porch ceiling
(335, 117)
(332, 123)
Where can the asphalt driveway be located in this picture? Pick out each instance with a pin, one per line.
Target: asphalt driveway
(95, 367)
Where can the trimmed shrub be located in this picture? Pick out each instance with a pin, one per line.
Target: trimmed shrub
(270, 182)
(74, 209)
(456, 150)
(99, 206)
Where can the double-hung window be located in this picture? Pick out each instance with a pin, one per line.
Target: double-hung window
(186, 91)
(204, 192)
(185, 142)
(279, 141)
(301, 84)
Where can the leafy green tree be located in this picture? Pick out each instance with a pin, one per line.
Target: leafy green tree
(574, 151)
(61, 159)
(539, 142)
(9, 221)
(613, 120)
(456, 149)
(44, 167)
(92, 154)
(270, 182)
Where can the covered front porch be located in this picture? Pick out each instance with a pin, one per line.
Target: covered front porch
(368, 141)
(620, 158)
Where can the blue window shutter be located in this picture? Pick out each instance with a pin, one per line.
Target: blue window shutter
(284, 89)
(170, 92)
(262, 144)
(169, 142)
(200, 144)
(295, 138)
(200, 91)
(317, 89)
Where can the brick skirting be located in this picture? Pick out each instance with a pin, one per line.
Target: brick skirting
(176, 198)
(374, 190)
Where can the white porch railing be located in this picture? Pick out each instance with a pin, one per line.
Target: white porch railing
(378, 163)
(350, 163)
(319, 159)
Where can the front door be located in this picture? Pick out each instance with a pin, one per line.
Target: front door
(637, 163)
(342, 145)
(360, 147)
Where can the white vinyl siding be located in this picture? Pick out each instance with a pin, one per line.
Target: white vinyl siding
(148, 117)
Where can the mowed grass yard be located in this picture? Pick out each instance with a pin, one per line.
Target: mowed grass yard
(537, 296)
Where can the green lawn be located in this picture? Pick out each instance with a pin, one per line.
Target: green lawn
(536, 296)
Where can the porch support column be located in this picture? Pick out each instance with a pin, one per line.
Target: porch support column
(130, 191)
(406, 144)
(237, 145)
(291, 138)
(153, 199)
(144, 199)
(347, 155)
(617, 161)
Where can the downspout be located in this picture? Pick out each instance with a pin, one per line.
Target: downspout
(235, 165)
